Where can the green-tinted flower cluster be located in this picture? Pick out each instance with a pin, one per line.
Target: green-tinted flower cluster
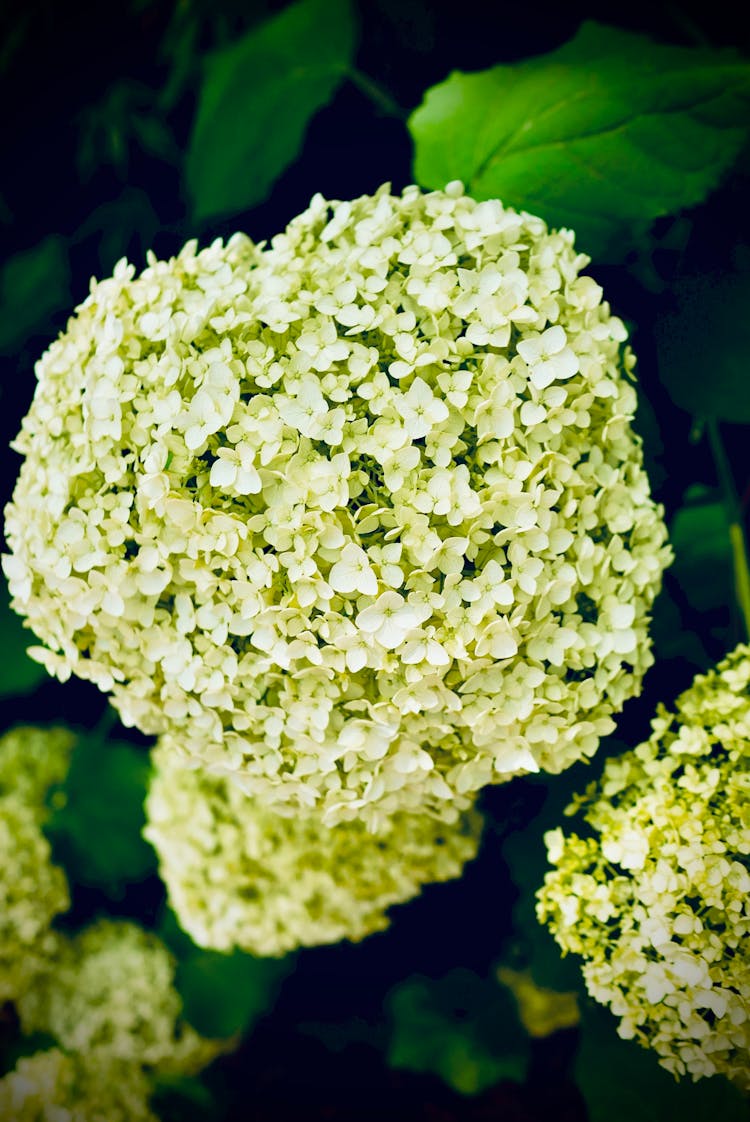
(110, 990)
(32, 889)
(55, 1086)
(241, 875)
(359, 517)
(105, 995)
(657, 901)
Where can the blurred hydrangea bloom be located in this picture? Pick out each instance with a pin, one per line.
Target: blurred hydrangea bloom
(32, 892)
(110, 990)
(241, 875)
(658, 900)
(32, 760)
(55, 1087)
(360, 517)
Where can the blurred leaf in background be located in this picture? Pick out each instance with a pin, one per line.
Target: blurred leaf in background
(604, 135)
(257, 98)
(222, 994)
(699, 533)
(34, 285)
(703, 341)
(124, 226)
(98, 816)
(622, 1081)
(19, 674)
(461, 1027)
(107, 128)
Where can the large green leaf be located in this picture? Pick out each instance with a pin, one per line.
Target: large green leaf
(33, 285)
(703, 342)
(603, 135)
(621, 1081)
(19, 674)
(256, 99)
(96, 826)
(222, 994)
(461, 1027)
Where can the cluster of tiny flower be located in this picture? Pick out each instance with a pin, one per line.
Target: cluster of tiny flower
(658, 901)
(32, 890)
(358, 517)
(106, 995)
(55, 1086)
(241, 875)
(109, 990)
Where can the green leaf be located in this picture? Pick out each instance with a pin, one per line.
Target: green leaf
(33, 285)
(96, 826)
(19, 674)
(222, 994)
(604, 134)
(461, 1027)
(621, 1081)
(703, 552)
(703, 341)
(256, 100)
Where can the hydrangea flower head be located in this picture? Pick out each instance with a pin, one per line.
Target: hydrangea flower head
(32, 892)
(110, 991)
(53, 1086)
(241, 875)
(657, 901)
(32, 760)
(358, 517)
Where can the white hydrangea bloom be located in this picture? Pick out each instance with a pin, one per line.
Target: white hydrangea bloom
(240, 875)
(658, 901)
(110, 990)
(32, 892)
(359, 518)
(55, 1087)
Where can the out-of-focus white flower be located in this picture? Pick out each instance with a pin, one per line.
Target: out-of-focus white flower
(110, 991)
(54, 1086)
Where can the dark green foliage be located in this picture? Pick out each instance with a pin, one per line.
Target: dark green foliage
(622, 1081)
(461, 1027)
(20, 674)
(256, 100)
(223, 994)
(699, 533)
(704, 341)
(95, 828)
(34, 285)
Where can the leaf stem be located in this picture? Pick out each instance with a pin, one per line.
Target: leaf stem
(105, 724)
(377, 94)
(734, 516)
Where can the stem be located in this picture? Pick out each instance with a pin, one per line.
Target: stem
(376, 93)
(105, 724)
(734, 515)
